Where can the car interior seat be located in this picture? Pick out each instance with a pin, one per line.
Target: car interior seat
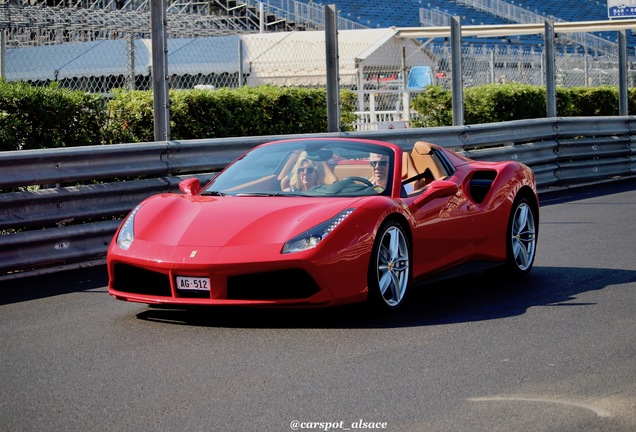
(422, 159)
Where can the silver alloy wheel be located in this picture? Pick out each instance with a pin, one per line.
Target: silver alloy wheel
(524, 236)
(393, 266)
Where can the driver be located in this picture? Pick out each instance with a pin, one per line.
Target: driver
(380, 165)
(305, 175)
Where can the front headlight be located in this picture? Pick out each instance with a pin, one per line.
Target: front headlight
(127, 232)
(311, 238)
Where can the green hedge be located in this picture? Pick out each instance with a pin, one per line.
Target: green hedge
(44, 117)
(225, 112)
(497, 103)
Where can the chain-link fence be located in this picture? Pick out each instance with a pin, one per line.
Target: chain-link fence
(97, 50)
(506, 64)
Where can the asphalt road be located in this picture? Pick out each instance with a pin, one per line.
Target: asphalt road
(553, 352)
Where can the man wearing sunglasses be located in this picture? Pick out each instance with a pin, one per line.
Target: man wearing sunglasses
(380, 165)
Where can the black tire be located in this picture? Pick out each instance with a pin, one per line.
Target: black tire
(521, 236)
(390, 267)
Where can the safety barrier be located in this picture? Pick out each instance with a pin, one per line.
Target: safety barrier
(80, 194)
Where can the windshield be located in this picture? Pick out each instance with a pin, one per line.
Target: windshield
(320, 167)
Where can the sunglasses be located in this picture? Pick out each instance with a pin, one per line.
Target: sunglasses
(379, 163)
(308, 170)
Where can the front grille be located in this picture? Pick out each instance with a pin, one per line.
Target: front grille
(275, 285)
(136, 280)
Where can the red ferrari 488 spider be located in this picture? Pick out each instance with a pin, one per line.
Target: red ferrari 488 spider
(325, 221)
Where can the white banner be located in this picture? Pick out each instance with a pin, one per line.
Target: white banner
(621, 8)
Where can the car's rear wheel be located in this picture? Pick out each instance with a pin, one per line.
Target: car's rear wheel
(521, 240)
(390, 267)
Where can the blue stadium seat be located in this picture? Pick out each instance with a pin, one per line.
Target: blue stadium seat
(374, 13)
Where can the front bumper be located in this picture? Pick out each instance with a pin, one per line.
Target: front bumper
(240, 276)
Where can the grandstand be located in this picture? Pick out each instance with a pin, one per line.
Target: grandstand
(29, 22)
(42, 22)
(52, 22)
(384, 14)
(413, 13)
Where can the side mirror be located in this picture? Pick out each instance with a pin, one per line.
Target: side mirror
(191, 186)
(437, 189)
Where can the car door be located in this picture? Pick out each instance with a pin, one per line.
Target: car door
(444, 217)
(444, 232)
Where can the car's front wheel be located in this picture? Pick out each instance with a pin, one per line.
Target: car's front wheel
(521, 241)
(390, 267)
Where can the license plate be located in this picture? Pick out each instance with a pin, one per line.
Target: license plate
(193, 283)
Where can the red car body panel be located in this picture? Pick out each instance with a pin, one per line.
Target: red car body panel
(227, 238)
(250, 242)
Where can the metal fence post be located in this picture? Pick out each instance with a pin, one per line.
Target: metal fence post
(3, 52)
(131, 62)
(491, 65)
(623, 106)
(333, 84)
(161, 109)
(406, 96)
(550, 77)
(240, 63)
(456, 71)
(587, 69)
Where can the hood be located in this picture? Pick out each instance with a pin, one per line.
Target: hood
(179, 220)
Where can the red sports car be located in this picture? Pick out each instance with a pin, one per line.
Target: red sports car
(325, 221)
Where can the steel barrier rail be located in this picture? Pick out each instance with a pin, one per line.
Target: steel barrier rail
(595, 126)
(75, 204)
(541, 156)
(196, 156)
(67, 226)
(54, 247)
(78, 164)
(473, 136)
(107, 162)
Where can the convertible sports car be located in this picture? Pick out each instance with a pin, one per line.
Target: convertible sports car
(326, 221)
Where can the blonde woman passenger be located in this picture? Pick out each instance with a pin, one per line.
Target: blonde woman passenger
(305, 175)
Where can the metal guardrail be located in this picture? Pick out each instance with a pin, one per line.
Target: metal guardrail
(69, 222)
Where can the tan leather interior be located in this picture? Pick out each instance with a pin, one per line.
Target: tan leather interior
(422, 159)
(408, 166)
(343, 171)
